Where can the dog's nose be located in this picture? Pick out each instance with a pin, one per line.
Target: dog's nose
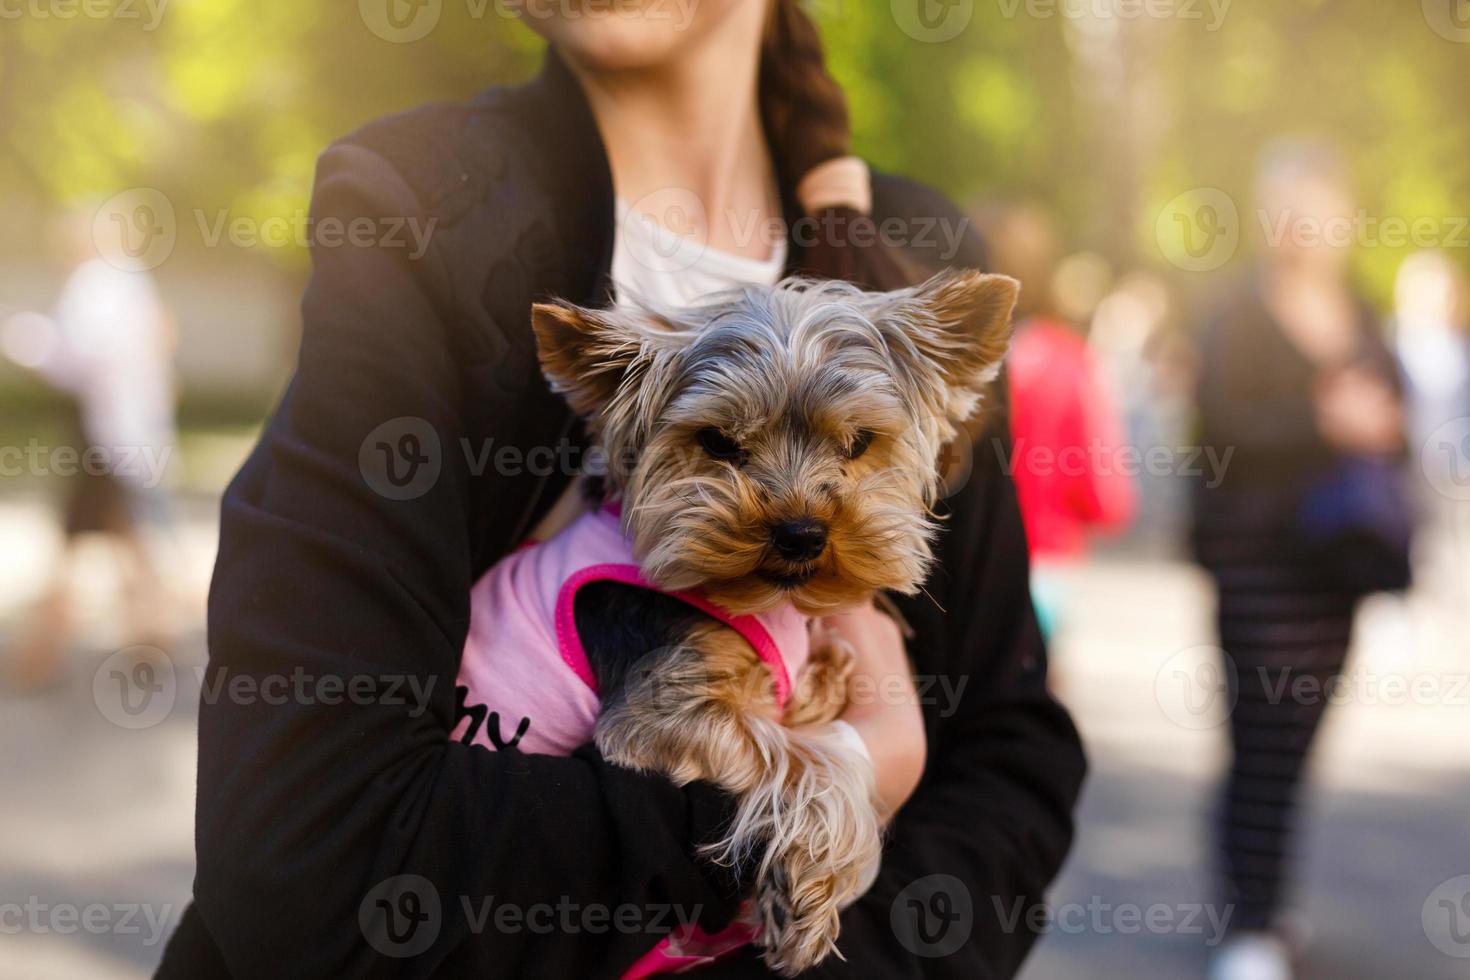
(800, 540)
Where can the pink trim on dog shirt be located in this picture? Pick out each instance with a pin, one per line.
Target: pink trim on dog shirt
(524, 673)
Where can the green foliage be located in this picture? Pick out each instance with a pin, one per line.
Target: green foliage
(225, 104)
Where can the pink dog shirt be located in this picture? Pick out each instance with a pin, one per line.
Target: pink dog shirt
(525, 677)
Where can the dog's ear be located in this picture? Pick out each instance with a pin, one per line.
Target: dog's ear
(585, 354)
(960, 321)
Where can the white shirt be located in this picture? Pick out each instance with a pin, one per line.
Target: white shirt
(669, 269)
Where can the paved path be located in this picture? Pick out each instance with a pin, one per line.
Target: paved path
(96, 820)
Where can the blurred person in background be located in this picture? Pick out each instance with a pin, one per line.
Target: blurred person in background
(1297, 380)
(1150, 363)
(1067, 433)
(1432, 340)
(108, 350)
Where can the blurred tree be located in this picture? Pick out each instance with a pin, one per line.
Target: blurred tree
(1104, 114)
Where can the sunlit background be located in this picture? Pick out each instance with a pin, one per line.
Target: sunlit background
(1132, 125)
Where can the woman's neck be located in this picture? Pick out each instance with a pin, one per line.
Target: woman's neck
(685, 140)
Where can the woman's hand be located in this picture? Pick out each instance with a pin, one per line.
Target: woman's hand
(883, 703)
(1357, 412)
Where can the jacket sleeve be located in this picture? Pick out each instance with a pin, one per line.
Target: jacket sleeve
(340, 832)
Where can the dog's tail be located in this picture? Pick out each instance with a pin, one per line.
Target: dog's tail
(808, 816)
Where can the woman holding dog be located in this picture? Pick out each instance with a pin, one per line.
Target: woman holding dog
(377, 497)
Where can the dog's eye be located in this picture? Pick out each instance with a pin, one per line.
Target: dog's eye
(720, 446)
(859, 444)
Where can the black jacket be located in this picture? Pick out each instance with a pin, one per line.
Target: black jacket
(305, 808)
(1256, 402)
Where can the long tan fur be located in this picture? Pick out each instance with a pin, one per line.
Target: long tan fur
(829, 405)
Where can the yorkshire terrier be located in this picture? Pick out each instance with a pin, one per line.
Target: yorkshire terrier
(771, 456)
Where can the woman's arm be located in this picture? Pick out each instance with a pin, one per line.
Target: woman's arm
(356, 605)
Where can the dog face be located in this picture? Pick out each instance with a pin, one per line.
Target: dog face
(780, 444)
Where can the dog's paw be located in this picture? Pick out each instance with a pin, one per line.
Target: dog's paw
(797, 910)
(821, 689)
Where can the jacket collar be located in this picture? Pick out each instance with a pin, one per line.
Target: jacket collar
(574, 169)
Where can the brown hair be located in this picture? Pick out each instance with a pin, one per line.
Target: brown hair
(805, 116)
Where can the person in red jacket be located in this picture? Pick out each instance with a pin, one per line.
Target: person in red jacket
(1072, 473)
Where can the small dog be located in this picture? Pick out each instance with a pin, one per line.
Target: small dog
(772, 455)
